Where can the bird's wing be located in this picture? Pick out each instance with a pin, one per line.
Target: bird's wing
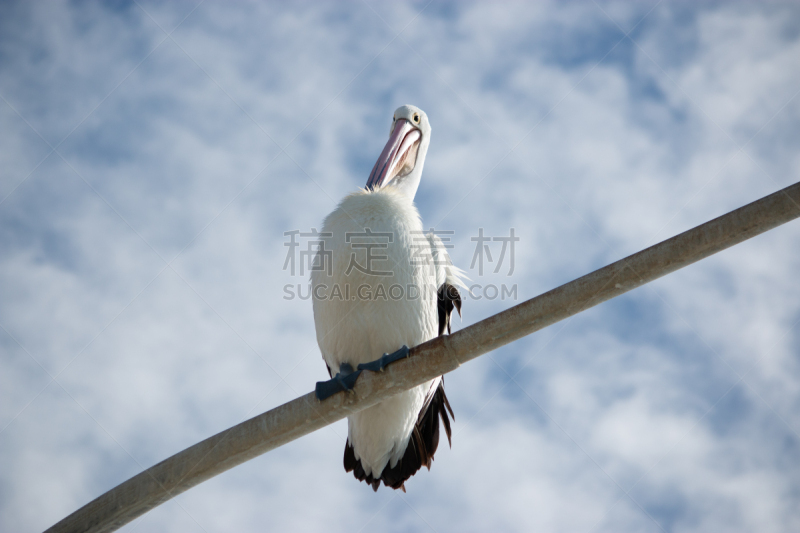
(448, 278)
(446, 271)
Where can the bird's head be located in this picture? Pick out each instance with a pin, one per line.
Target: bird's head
(400, 163)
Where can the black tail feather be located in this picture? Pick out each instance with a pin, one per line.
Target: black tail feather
(422, 444)
(424, 440)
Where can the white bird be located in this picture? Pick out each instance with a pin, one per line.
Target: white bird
(382, 284)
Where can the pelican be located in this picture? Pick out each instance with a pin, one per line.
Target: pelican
(382, 284)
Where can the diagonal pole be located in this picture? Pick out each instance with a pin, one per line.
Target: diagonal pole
(306, 414)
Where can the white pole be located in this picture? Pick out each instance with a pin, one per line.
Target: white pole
(303, 415)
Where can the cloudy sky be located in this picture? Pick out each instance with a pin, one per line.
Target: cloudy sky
(152, 157)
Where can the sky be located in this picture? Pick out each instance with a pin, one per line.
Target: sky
(153, 156)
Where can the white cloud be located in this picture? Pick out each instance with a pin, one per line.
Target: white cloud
(617, 144)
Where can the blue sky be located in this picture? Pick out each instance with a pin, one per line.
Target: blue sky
(153, 156)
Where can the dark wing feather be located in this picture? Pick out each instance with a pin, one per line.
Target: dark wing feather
(449, 298)
(423, 443)
(424, 440)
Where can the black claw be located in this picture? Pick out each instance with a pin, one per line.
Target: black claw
(379, 364)
(345, 380)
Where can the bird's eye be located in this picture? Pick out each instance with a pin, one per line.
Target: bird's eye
(416, 118)
(394, 119)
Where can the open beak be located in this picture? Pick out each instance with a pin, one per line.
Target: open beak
(400, 152)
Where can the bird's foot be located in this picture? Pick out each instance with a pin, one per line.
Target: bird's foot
(344, 380)
(379, 364)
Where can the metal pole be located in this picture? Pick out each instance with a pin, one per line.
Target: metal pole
(303, 415)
